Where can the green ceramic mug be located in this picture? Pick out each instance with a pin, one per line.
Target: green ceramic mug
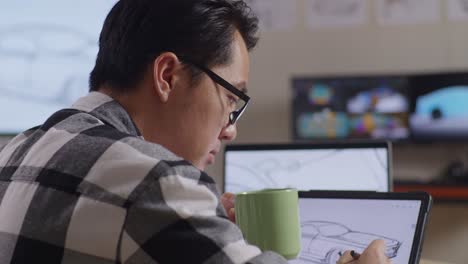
(269, 219)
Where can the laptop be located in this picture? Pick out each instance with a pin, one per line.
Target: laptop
(362, 166)
(333, 222)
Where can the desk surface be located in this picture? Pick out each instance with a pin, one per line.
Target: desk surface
(427, 261)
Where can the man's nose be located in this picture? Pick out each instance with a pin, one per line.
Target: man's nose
(228, 133)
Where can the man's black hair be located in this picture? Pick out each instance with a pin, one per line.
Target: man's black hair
(135, 32)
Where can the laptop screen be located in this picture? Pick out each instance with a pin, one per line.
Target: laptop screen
(308, 167)
(330, 226)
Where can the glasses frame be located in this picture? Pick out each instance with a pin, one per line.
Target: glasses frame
(236, 114)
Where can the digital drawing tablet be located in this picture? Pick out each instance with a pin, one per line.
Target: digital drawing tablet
(333, 222)
(350, 166)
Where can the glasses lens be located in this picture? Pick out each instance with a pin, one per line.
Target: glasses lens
(232, 118)
(235, 115)
(239, 105)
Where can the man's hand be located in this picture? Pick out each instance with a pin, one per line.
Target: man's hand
(228, 200)
(374, 254)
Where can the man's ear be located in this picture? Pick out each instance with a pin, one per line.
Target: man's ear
(164, 68)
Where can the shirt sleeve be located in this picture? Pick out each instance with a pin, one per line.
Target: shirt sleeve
(178, 218)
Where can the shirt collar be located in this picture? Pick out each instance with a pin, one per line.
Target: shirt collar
(108, 110)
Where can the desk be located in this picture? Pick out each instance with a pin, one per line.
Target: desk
(427, 261)
(440, 192)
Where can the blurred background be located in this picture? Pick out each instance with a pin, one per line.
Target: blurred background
(324, 70)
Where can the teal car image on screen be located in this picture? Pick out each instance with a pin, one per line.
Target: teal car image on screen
(441, 113)
(322, 242)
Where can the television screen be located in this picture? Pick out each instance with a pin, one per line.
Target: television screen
(47, 50)
(350, 107)
(439, 106)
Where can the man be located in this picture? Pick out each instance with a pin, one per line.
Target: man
(118, 178)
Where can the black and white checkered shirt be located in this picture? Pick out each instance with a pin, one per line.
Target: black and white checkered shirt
(86, 188)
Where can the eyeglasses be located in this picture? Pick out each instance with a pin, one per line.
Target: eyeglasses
(240, 104)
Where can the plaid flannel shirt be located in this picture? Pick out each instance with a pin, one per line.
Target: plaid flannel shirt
(86, 188)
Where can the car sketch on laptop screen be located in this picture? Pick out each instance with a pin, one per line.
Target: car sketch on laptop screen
(338, 166)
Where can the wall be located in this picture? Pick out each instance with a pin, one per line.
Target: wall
(369, 49)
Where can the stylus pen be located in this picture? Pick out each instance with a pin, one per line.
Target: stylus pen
(353, 254)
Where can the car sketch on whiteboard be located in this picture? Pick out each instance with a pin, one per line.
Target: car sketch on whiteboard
(45, 63)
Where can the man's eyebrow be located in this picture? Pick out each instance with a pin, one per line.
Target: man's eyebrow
(241, 86)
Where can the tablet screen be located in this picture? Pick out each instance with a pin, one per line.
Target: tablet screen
(330, 226)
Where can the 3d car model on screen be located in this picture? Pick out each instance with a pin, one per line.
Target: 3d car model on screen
(323, 241)
(45, 63)
(443, 112)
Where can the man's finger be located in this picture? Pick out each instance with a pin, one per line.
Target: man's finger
(228, 200)
(232, 215)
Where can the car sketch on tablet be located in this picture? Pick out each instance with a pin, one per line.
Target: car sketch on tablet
(324, 241)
